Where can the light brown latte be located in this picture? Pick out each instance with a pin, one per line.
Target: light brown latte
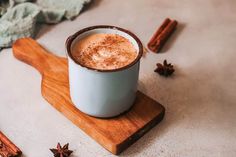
(104, 51)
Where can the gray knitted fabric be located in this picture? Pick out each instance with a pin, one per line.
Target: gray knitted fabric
(18, 18)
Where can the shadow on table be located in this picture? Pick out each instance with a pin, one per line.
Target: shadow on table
(152, 87)
(191, 97)
(41, 29)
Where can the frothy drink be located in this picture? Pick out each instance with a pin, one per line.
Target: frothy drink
(104, 51)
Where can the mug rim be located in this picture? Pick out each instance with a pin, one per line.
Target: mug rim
(71, 38)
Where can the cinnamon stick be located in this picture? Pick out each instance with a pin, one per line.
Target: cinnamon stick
(162, 34)
(152, 42)
(7, 148)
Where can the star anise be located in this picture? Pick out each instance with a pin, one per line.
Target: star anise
(165, 69)
(61, 151)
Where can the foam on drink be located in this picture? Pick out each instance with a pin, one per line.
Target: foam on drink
(104, 51)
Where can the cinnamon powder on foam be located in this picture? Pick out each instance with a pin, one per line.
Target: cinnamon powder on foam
(104, 51)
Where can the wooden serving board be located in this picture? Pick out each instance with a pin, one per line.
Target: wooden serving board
(114, 134)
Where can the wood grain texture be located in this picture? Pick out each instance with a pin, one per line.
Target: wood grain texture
(114, 134)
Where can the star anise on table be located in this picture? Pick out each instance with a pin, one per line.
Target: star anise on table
(165, 69)
(61, 151)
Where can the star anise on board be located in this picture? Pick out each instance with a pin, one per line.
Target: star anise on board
(61, 151)
(165, 69)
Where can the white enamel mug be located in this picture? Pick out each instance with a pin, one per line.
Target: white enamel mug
(103, 93)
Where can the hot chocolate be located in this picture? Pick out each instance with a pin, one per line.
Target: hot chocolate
(104, 51)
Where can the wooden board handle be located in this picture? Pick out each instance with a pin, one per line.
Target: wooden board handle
(32, 53)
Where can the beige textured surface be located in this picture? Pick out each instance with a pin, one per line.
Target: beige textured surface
(200, 98)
